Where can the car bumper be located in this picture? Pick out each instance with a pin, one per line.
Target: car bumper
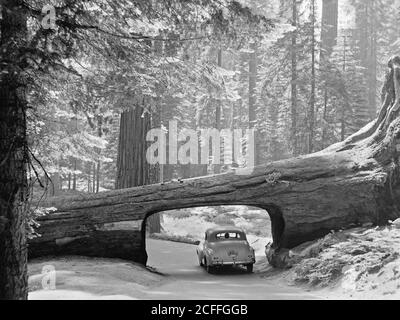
(232, 263)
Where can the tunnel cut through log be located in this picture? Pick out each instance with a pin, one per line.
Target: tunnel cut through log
(274, 214)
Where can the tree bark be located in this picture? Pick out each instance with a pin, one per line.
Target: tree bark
(253, 95)
(366, 23)
(89, 183)
(94, 178)
(132, 167)
(14, 154)
(99, 134)
(294, 135)
(311, 113)
(74, 176)
(329, 29)
(329, 33)
(218, 110)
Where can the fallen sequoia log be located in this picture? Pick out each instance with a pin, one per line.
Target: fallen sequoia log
(351, 183)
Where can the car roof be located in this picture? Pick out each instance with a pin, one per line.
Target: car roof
(224, 229)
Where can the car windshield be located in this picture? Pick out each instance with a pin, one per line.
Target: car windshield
(229, 236)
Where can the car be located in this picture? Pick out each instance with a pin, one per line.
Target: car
(225, 246)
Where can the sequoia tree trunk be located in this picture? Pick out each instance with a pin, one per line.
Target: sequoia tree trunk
(13, 153)
(353, 182)
(132, 167)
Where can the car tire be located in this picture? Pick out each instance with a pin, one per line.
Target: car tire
(210, 269)
(249, 268)
(200, 262)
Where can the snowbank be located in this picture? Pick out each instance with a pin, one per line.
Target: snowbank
(89, 278)
(361, 263)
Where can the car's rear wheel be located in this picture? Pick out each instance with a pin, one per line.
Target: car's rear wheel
(210, 269)
(249, 268)
(200, 261)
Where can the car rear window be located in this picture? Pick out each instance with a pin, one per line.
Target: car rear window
(229, 236)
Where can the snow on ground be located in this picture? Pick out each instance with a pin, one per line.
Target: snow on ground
(191, 227)
(89, 279)
(362, 263)
(258, 243)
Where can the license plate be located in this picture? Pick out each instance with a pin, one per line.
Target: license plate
(232, 253)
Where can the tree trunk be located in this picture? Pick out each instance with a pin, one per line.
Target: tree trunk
(75, 161)
(353, 182)
(74, 176)
(311, 113)
(69, 181)
(218, 108)
(132, 167)
(366, 23)
(253, 95)
(329, 33)
(89, 167)
(329, 29)
(201, 169)
(55, 185)
(99, 134)
(373, 62)
(94, 178)
(325, 118)
(98, 177)
(14, 154)
(154, 223)
(295, 148)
